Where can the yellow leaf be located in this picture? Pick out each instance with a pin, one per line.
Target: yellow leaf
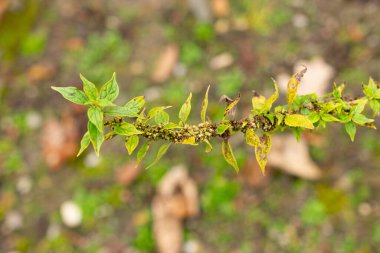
(258, 103)
(269, 102)
(231, 106)
(262, 150)
(251, 138)
(185, 109)
(293, 85)
(262, 146)
(228, 155)
(298, 120)
(204, 106)
(190, 141)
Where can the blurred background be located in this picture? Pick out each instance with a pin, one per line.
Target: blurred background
(319, 195)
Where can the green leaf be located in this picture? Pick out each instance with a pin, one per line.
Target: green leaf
(142, 152)
(359, 108)
(204, 105)
(104, 102)
(161, 118)
(262, 150)
(314, 117)
(270, 116)
(152, 112)
(161, 152)
(171, 125)
(368, 91)
(131, 143)
(96, 137)
(72, 94)
(126, 129)
(89, 88)
(228, 155)
(135, 105)
(120, 111)
(185, 109)
(329, 106)
(221, 128)
(329, 118)
(375, 106)
(208, 146)
(110, 135)
(375, 89)
(95, 115)
(377, 94)
(298, 120)
(297, 131)
(269, 102)
(84, 143)
(251, 138)
(337, 92)
(141, 116)
(231, 106)
(371, 90)
(280, 118)
(351, 130)
(110, 89)
(361, 119)
(345, 118)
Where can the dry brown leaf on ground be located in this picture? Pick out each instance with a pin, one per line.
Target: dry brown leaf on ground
(75, 43)
(177, 185)
(127, 173)
(167, 228)
(251, 173)
(221, 61)
(3, 7)
(165, 63)
(293, 157)
(41, 71)
(356, 33)
(59, 140)
(176, 199)
(220, 8)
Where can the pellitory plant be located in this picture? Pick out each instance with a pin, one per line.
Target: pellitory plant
(135, 123)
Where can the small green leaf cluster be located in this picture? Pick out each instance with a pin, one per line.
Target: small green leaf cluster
(100, 103)
(132, 121)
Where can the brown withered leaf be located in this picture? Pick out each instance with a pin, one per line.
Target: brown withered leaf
(38, 72)
(251, 174)
(3, 7)
(221, 61)
(165, 63)
(167, 229)
(74, 43)
(176, 199)
(59, 141)
(293, 157)
(220, 8)
(127, 173)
